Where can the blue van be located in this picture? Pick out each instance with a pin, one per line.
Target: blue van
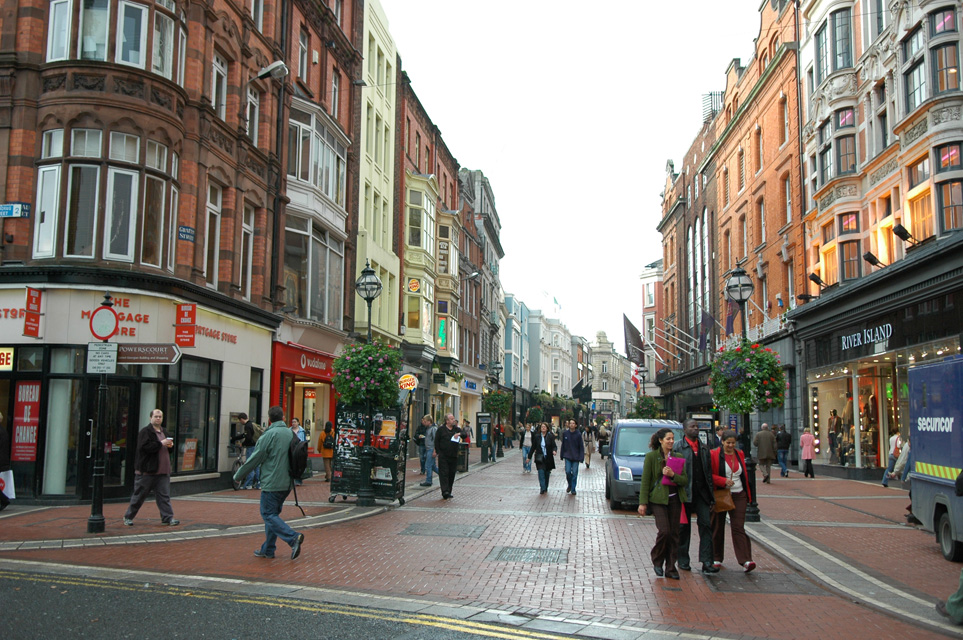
(625, 455)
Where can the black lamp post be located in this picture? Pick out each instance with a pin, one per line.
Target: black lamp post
(369, 288)
(739, 289)
(96, 522)
(496, 368)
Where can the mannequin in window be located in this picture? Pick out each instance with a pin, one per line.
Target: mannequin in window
(835, 429)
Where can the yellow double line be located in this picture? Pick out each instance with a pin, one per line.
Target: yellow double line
(451, 624)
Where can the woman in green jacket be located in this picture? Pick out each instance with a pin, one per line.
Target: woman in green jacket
(664, 501)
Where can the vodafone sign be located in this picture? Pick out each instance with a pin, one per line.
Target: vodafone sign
(311, 364)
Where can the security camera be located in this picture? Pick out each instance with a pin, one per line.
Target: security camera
(276, 70)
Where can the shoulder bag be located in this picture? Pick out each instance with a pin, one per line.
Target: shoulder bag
(723, 496)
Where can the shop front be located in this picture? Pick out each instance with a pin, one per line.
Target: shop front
(859, 343)
(301, 385)
(50, 401)
(471, 391)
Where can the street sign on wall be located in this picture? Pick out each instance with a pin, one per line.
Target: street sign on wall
(148, 354)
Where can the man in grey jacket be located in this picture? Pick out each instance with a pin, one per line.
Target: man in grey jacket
(700, 494)
(431, 464)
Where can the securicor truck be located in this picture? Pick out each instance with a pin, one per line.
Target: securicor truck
(936, 443)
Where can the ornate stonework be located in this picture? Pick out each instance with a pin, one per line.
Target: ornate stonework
(844, 191)
(54, 83)
(914, 133)
(88, 83)
(883, 171)
(945, 114)
(162, 98)
(131, 88)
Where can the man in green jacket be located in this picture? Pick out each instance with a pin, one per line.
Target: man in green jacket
(271, 455)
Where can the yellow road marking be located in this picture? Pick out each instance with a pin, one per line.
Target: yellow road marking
(450, 624)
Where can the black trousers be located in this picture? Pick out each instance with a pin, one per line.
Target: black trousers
(698, 507)
(446, 473)
(667, 539)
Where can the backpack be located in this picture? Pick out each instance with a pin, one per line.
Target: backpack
(329, 441)
(297, 464)
(258, 431)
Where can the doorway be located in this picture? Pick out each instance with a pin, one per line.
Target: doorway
(120, 439)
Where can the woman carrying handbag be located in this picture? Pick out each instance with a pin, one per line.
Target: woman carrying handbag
(729, 472)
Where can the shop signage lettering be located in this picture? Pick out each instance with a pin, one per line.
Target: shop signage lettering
(123, 317)
(470, 385)
(223, 336)
(26, 422)
(867, 336)
(313, 363)
(14, 313)
(942, 425)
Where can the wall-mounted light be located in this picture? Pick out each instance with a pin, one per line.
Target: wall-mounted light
(900, 232)
(872, 259)
(806, 297)
(276, 70)
(817, 280)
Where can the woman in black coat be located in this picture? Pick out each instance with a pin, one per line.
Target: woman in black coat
(543, 450)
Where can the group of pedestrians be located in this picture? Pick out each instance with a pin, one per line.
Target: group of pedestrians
(680, 481)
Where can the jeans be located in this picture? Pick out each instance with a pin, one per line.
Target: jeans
(889, 470)
(431, 466)
(526, 461)
(571, 473)
(253, 479)
(422, 453)
(274, 526)
(543, 475)
(783, 455)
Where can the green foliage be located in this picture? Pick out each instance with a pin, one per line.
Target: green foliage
(566, 415)
(497, 402)
(535, 414)
(368, 373)
(746, 378)
(645, 407)
(600, 420)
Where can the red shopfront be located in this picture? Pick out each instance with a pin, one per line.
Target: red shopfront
(301, 382)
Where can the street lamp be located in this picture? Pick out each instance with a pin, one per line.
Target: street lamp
(369, 288)
(739, 288)
(496, 369)
(643, 370)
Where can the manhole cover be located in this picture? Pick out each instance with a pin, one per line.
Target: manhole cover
(444, 530)
(528, 554)
(761, 582)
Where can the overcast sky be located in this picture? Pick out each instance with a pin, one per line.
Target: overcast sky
(572, 110)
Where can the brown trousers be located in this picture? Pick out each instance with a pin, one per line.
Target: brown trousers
(737, 522)
(666, 546)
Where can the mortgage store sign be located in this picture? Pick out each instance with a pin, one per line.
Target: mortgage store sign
(872, 335)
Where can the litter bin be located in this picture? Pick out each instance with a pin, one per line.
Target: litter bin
(463, 448)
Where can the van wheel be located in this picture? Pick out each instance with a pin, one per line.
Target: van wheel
(952, 549)
(615, 505)
(608, 491)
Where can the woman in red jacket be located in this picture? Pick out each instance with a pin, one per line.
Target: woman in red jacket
(729, 471)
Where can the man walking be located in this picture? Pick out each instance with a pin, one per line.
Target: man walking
(783, 442)
(700, 494)
(572, 452)
(271, 455)
(248, 441)
(152, 470)
(431, 466)
(447, 441)
(420, 441)
(765, 444)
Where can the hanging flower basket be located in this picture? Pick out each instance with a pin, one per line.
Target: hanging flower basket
(645, 407)
(535, 414)
(497, 402)
(747, 378)
(368, 373)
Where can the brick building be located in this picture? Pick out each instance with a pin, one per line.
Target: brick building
(168, 158)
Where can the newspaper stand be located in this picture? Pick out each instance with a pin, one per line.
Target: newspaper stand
(389, 441)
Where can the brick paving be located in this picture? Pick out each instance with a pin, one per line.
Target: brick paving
(830, 525)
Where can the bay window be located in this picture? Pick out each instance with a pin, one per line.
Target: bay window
(951, 205)
(247, 251)
(313, 271)
(219, 86)
(94, 24)
(946, 68)
(834, 44)
(212, 232)
(851, 259)
(82, 199)
(163, 58)
(58, 33)
(949, 156)
(119, 216)
(921, 216)
(151, 234)
(317, 155)
(131, 34)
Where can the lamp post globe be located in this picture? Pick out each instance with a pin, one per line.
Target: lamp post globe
(739, 288)
(368, 286)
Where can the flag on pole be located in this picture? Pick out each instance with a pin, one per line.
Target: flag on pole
(705, 328)
(634, 344)
(635, 378)
(733, 310)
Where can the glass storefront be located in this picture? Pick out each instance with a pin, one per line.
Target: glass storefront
(857, 406)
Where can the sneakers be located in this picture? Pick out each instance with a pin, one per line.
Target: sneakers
(129, 522)
(296, 547)
(172, 522)
(749, 566)
(424, 484)
(717, 564)
(260, 554)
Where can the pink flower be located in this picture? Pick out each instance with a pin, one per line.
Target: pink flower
(747, 359)
(769, 400)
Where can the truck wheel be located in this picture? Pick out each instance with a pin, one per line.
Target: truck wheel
(615, 505)
(952, 549)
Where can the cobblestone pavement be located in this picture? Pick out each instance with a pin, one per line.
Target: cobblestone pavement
(834, 557)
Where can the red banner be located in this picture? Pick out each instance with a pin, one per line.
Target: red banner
(31, 318)
(184, 336)
(26, 422)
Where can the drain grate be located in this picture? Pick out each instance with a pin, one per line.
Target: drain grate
(444, 530)
(528, 554)
(762, 582)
